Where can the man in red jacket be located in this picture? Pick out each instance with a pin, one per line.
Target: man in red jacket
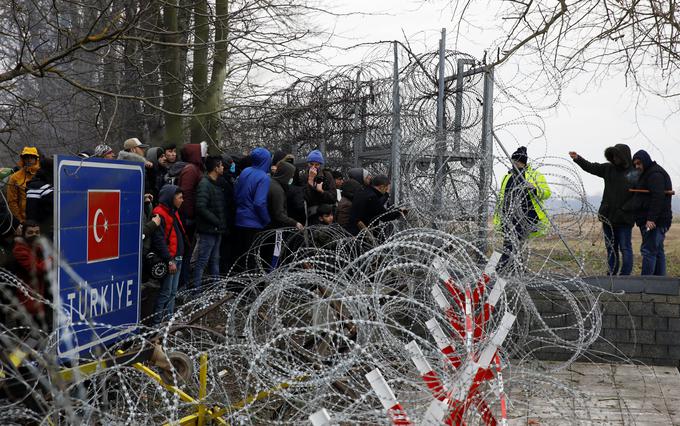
(31, 269)
(169, 241)
(188, 181)
(189, 177)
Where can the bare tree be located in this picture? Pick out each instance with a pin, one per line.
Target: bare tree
(637, 37)
(76, 73)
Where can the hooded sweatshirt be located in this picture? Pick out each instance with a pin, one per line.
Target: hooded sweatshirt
(349, 189)
(276, 199)
(655, 205)
(16, 186)
(190, 177)
(251, 191)
(357, 174)
(155, 176)
(168, 240)
(619, 176)
(131, 156)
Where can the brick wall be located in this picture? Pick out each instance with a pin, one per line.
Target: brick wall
(639, 324)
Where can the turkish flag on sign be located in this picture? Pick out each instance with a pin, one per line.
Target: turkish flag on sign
(103, 230)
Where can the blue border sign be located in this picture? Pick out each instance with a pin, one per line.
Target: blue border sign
(98, 227)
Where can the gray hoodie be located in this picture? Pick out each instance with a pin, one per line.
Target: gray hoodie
(131, 156)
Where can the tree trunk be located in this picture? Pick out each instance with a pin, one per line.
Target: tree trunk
(151, 58)
(172, 84)
(200, 71)
(214, 95)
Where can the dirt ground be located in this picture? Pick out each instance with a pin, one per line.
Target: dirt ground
(583, 235)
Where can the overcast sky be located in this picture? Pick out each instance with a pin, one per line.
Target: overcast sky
(590, 116)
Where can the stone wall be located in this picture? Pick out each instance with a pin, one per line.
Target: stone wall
(642, 323)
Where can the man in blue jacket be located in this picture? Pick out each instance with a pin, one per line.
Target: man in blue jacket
(250, 196)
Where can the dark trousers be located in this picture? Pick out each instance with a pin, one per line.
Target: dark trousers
(514, 236)
(185, 277)
(243, 241)
(617, 240)
(227, 252)
(652, 250)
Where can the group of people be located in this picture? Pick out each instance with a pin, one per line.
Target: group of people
(203, 212)
(637, 191)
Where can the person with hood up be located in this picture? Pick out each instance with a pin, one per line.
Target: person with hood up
(29, 164)
(358, 179)
(349, 189)
(280, 156)
(519, 213)
(360, 176)
(191, 175)
(155, 176)
(319, 185)
(250, 195)
(653, 213)
(617, 224)
(170, 242)
(40, 196)
(277, 203)
(211, 220)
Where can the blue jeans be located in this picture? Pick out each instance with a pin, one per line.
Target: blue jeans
(618, 241)
(208, 246)
(165, 303)
(653, 254)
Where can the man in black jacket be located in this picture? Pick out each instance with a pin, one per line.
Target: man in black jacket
(617, 222)
(211, 220)
(369, 205)
(653, 214)
(277, 197)
(40, 196)
(319, 185)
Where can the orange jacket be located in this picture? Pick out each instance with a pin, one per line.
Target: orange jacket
(16, 189)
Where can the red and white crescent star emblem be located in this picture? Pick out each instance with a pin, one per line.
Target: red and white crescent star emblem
(103, 231)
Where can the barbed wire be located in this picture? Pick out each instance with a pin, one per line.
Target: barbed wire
(335, 308)
(287, 339)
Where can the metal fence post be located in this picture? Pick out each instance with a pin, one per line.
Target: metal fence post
(396, 132)
(486, 163)
(440, 146)
(356, 123)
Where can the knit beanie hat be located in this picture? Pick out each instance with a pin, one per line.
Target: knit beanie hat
(102, 150)
(315, 157)
(520, 155)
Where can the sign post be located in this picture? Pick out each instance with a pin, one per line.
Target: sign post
(98, 226)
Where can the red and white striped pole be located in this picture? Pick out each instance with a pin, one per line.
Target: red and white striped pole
(428, 374)
(395, 411)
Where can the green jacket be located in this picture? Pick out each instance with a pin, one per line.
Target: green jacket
(211, 217)
(537, 197)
